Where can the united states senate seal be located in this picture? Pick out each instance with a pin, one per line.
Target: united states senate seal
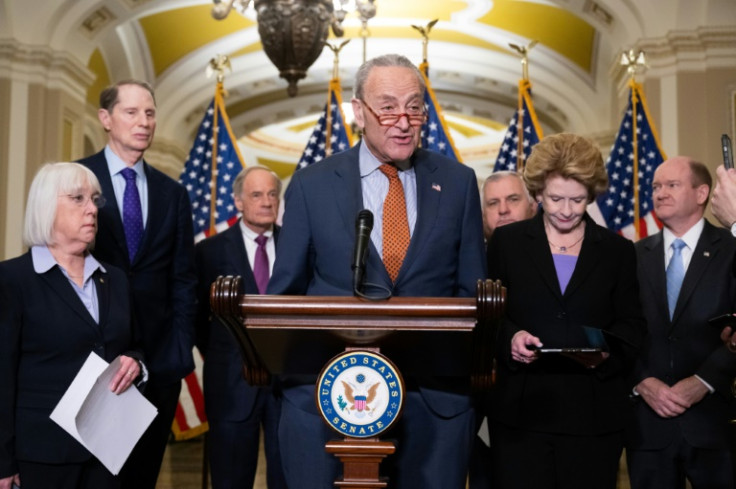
(360, 393)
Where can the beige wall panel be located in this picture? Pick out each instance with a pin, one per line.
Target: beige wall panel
(4, 181)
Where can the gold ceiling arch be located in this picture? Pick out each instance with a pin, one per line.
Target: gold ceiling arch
(556, 28)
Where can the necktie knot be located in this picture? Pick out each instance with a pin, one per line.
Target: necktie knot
(389, 170)
(128, 174)
(261, 239)
(678, 245)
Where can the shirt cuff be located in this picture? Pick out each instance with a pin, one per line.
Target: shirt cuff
(710, 387)
(143, 375)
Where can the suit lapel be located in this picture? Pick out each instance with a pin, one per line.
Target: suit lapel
(110, 210)
(587, 259)
(238, 257)
(652, 266)
(429, 193)
(56, 280)
(347, 188)
(539, 254)
(103, 295)
(349, 199)
(157, 208)
(704, 253)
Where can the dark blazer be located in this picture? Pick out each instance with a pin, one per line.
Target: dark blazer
(687, 345)
(46, 334)
(227, 396)
(162, 276)
(556, 394)
(445, 256)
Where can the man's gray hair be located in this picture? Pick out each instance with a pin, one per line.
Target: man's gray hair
(385, 60)
(499, 175)
(238, 182)
(51, 181)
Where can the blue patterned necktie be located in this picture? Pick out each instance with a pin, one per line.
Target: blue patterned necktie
(132, 214)
(675, 274)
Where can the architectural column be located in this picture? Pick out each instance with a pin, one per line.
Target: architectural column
(42, 103)
(690, 87)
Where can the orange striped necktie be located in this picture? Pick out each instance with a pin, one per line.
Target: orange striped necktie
(396, 235)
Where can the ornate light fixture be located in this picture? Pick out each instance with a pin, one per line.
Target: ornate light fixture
(293, 32)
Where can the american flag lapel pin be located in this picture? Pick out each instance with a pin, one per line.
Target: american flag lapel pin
(436, 186)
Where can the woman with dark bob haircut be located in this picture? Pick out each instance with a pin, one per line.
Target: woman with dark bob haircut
(558, 416)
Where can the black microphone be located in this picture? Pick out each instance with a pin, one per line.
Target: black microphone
(363, 228)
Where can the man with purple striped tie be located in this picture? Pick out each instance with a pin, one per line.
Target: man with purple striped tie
(235, 410)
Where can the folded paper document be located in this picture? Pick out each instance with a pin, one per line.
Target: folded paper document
(107, 424)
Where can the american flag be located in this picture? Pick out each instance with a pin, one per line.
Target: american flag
(617, 205)
(330, 127)
(210, 170)
(214, 162)
(516, 140)
(435, 134)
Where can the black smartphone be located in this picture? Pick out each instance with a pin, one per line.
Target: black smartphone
(569, 350)
(723, 320)
(727, 151)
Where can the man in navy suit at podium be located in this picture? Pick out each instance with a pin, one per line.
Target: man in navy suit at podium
(427, 240)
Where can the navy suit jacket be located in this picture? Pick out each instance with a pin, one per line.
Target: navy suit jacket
(228, 397)
(46, 334)
(556, 394)
(162, 276)
(687, 345)
(445, 256)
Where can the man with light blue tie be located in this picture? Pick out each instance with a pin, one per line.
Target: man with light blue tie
(683, 399)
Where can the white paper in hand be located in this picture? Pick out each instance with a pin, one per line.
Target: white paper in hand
(107, 424)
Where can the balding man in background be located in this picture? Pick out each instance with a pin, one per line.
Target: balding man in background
(505, 200)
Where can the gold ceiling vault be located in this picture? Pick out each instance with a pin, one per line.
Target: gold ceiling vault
(176, 35)
(554, 27)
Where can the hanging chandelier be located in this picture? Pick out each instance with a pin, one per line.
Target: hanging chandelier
(293, 32)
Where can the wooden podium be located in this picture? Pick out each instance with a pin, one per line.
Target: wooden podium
(299, 334)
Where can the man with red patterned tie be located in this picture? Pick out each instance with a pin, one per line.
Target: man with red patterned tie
(427, 241)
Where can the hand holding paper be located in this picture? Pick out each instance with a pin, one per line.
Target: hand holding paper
(105, 423)
(126, 374)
